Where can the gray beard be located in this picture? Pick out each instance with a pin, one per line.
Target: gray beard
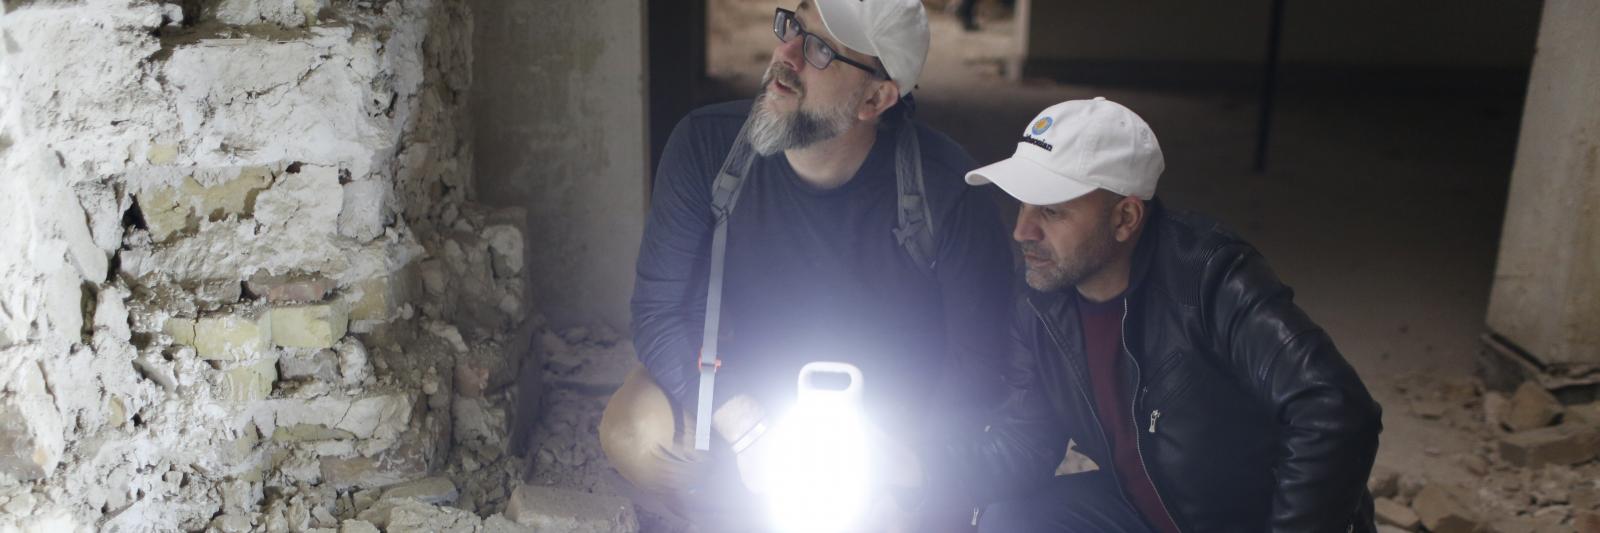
(771, 131)
(1069, 271)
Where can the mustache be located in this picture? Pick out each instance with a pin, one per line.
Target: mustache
(787, 77)
(1036, 250)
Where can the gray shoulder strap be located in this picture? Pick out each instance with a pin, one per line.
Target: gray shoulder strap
(724, 195)
(915, 230)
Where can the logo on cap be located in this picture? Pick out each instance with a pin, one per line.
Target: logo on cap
(1042, 124)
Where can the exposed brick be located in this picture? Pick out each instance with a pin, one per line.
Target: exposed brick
(366, 417)
(248, 382)
(434, 490)
(378, 299)
(171, 210)
(1565, 444)
(289, 288)
(309, 326)
(320, 365)
(228, 337)
(555, 509)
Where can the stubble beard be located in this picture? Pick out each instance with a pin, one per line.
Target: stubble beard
(1071, 269)
(772, 131)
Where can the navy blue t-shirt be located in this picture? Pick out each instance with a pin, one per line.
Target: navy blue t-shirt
(817, 275)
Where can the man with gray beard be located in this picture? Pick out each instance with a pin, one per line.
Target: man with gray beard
(815, 268)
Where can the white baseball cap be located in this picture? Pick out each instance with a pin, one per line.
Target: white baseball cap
(894, 31)
(1075, 147)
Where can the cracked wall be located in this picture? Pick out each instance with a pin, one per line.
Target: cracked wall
(246, 280)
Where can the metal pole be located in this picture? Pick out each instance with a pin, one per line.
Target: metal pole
(1269, 85)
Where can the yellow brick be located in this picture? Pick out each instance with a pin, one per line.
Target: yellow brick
(162, 213)
(161, 154)
(375, 300)
(248, 382)
(235, 196)
(231, 337)
(170, 210)
(181, 330)
(310, 326)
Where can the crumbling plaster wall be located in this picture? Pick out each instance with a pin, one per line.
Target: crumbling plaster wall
(562, 129)
(245, 282)
(1546, 294)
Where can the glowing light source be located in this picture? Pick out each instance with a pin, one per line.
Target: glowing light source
(820, 476)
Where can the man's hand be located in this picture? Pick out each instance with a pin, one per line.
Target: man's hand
(742, 423)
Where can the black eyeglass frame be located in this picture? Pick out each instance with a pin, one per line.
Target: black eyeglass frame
(811, 39)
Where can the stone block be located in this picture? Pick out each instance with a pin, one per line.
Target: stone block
(1441, 510)
(225, 337)
(320, 365)
(404, 515)
(175, 209)
(384, 470)
(506, 245)
(1565, 444)
(1390, 512)
(366, 417)
(289, 288)
(357, 526)
(31, 430)
(1384, 482)
(1531, 407)
(354, 365)
(377, 299)
(309, 326)
(434, 490)
(309, 433)
(366, 209)
(161, 154)
(555, 509)
(478, 419)
(247, 382)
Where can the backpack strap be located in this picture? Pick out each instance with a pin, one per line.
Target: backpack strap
(914, 232)
(915, 229)
(724, 195)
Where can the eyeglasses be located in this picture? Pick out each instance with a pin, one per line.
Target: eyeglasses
(818, 53)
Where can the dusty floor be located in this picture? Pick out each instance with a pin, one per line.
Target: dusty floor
(1382, 210)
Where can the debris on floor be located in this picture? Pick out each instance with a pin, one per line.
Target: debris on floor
(1533, 467)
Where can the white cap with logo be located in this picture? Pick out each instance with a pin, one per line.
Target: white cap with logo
(894, 31)
(1075, 147)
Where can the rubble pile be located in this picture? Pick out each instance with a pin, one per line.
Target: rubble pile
(1533, 468)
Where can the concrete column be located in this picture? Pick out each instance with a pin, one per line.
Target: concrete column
(562, 128)
(1546, 294)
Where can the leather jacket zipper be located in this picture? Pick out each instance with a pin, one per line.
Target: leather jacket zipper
(1082, 387)
(1138, 444)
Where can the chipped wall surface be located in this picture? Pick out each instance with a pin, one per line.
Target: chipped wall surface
(244, 263)
(1546, 294)
(561, 128)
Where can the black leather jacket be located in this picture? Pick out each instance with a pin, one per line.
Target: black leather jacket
(1248, 418)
